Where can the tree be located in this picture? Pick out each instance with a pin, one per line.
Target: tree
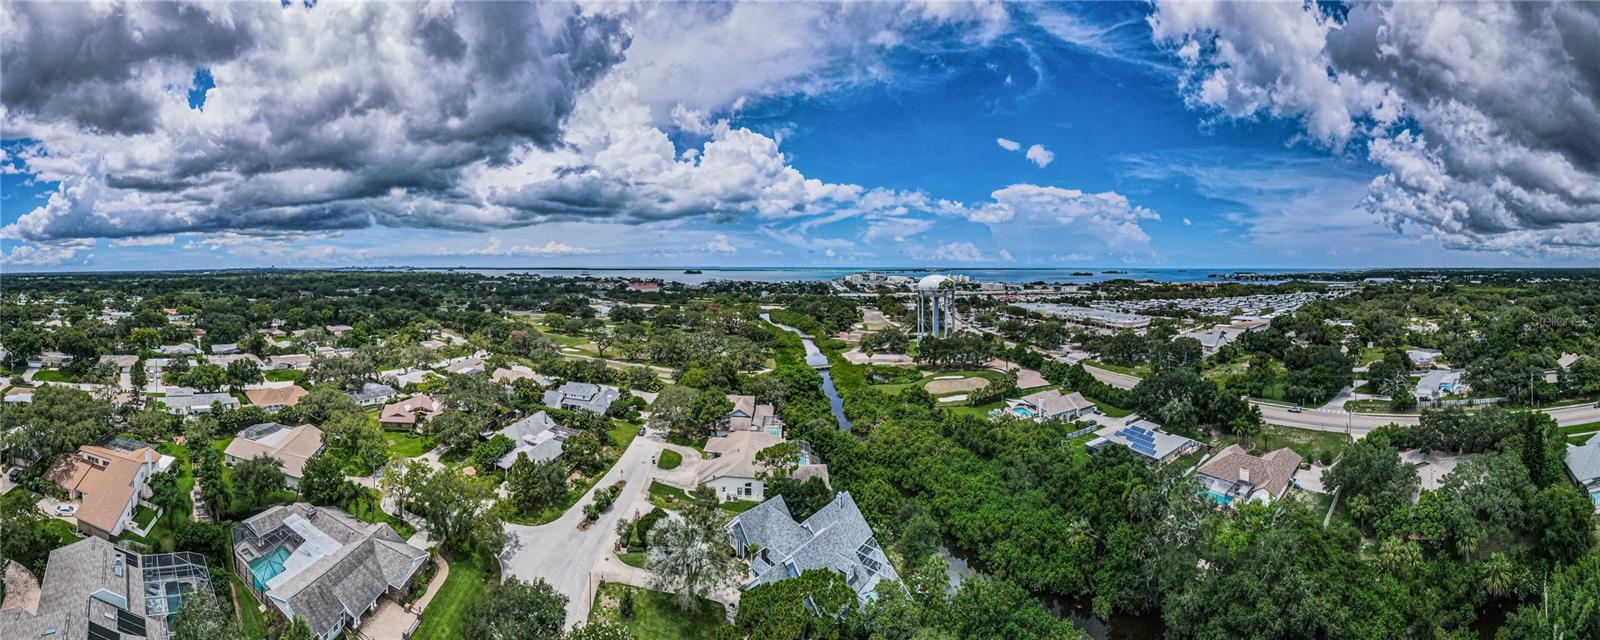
(1372, 479)
(243, 372)
(802, 498)
(59, 420)
(201, 617)
(516, 610)
(454, 506)
(585, 451)
(810, 605)
(259, 477)
(779, 460)
(296, 630)
(690, 557)
(205, 377)
(456, 430)
(687, 414)
(322, 481)
(356, 438)
(324, 402)
(536, 485)
(27, 539)
(1562, 522)
(152, 424)
(1568, 608)
(165, 495)
(600, 630)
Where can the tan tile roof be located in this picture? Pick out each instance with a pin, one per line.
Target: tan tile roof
(106, 490)
(1271, 472)
(287, 396)
(292, 447)
(404, 411)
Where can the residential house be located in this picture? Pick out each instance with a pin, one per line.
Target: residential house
(1583, 464)
(123, 363)
(402, 378)
(290, 445)
(1432, 467)
(180, 349)
(747, 415)
(536, 436)
(94, 589)
(1234, 474)
(19, 394)
(518, 372)
(1051, 404)
(338, 330)
(197, 403)
(644, 287)
(1423, 358)
(410, 414)
(372, 394)
(223, 360)
(107, 482)
(323, 566)
(296, 361)
(1438, 383)
(574, 396)
(50, 360)
(225, 348)
(1146, 439)
(731, 468)
(836, 538)
(470, 366)
(275, 398)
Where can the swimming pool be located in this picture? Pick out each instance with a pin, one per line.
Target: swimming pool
(1022, 412)
(267, 567)
(1220, 499)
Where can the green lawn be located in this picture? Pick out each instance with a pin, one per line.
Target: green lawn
(1140, 371)
(143, 516)
(284, 375)
(369, 511)
(1575, 429)
(669, 459)
(633, 559)
(672, 498)
(52, 375)
(407, 445)
(656, 615)
(442, 619)
(251, 621)
(1311, 445)
(1110, 411)
(622, 434)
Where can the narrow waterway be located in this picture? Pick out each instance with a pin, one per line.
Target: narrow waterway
(819, 361)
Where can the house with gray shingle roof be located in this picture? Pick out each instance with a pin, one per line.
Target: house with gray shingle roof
(94, 589)
(322, 565)
(196, 404)
(537, 436)
(594, 398)
(836, 538)
(1583, 462)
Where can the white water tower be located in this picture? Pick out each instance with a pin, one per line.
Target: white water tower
(936, 307)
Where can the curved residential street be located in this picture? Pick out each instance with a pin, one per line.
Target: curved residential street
(566, 557)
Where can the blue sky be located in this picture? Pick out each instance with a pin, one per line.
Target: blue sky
(1071, 135)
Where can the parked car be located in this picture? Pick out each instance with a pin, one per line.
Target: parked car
(641, 431)
(66, 509)
(14, 473)
(1294, 408)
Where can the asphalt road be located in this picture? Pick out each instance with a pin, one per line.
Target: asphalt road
(1340, 420)
(564, 556)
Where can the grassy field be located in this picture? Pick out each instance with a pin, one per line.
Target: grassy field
(1141, 371)
(52, 375)
(143, 516)
(442, 619)
(1311, 445)
(991, 376)
(672, 498)
(656, 615)
(407, 445)
(1575, 429)
(369, 511)
(669, 459)
(1109, 410)
(284, 375)
(633, 559)
(251, 621)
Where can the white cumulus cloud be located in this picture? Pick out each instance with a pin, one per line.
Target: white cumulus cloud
(1041, 156)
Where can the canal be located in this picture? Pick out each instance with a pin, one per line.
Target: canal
(819, 361)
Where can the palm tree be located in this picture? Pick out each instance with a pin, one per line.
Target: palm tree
(1499, 576)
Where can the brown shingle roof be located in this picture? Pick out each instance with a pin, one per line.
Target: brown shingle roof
(287, 396)
(1271, 472)
(292, 447)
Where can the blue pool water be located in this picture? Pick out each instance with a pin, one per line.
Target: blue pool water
(1022, 412)
(1220, 499)
(268, 566)
(1595, 497)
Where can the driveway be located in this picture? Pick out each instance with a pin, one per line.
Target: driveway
(565, 557)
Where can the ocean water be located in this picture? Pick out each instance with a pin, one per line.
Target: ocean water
(791, 274)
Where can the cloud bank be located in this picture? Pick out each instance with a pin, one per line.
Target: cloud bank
(1484, 117)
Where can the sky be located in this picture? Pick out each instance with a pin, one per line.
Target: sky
(1162, 134)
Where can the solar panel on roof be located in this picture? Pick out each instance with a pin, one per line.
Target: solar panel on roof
(97, 632)
(129, 623)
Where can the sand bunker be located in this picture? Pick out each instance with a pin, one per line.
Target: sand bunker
(942, 386)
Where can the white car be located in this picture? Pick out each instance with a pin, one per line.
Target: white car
(66, 509)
